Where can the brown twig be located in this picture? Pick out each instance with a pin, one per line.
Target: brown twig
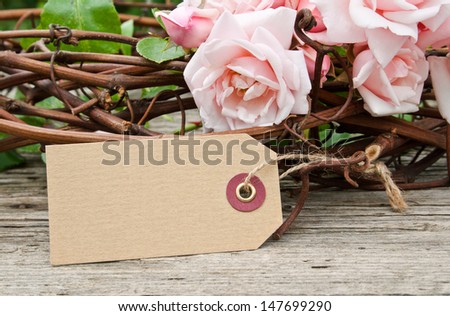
(77, 35)
(298, 208)
(14, 142)
(71, 57)
(12, 60)
(20, 107)
(305, 21)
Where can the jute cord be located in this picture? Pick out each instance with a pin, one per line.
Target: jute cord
(378, 168)
(393, 192)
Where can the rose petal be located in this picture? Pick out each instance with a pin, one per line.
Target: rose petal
(227, 28)
(254, 68)
(382, 107)
(337, 19)
(440, 76)
(379, 40)
(282, 29)
(437, 39)
(435, 22)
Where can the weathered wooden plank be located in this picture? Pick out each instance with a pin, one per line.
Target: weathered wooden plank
(345, 242)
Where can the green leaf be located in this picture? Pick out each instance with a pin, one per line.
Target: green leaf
(406, 117)
(87, 15)
(158, 49)
(341, 50)
(10, 159)
(26, 42)
(153, 91)
(329, 137)
(168, 118)
(158, 18)
(34, 148)
(33, 120)
(127, 28)
(188, 128)
(50, 103)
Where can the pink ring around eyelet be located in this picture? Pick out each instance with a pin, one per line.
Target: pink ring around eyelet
(240, 205)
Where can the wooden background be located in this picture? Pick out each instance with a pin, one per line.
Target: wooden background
(343, 243)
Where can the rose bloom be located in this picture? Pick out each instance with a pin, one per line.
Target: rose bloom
(244, 75)
(395, 88)
(382, 23)
(440, 76)
(188, 26)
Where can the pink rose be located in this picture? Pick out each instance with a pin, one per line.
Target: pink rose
(440, 76)
(188, 26)
(395, 88)
(244, 75)
(382, 23)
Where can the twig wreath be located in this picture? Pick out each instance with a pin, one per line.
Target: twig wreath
(351, 93)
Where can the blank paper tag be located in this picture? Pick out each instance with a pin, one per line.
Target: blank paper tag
(152, 198)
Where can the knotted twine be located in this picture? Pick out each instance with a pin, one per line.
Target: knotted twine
(378, 169)
(393, 192)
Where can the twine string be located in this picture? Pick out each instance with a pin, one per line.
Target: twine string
(379, 169)
(393, 192)
(313, 158)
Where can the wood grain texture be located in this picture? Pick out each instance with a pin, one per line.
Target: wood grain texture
(343, 243)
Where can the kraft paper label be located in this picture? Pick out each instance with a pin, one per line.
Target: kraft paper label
(151, 198)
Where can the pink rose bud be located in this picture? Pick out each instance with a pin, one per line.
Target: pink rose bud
(189, 26)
